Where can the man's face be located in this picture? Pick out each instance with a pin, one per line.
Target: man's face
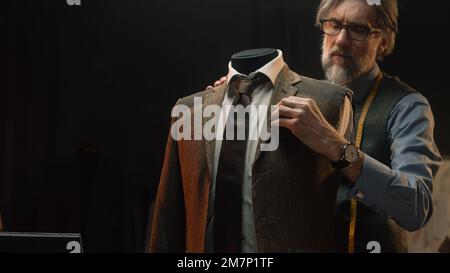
(344, 59)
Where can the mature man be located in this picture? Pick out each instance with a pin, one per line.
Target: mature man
(389, 185)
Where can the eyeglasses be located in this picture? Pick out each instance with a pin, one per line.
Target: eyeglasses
(356, 32)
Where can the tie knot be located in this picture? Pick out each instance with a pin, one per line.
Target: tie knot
(243, 85)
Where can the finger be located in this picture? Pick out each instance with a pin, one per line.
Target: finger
(288, 100)
(284, 112)
(287, 112)
(209, 87)
(296, 102)
(283, 122)
(275, 113)
(221, 81)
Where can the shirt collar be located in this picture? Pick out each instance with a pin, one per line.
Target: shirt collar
(271, 69)
(361, 86)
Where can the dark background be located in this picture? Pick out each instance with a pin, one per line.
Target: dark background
(86, 93)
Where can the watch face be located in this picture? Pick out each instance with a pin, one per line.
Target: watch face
(351, 153)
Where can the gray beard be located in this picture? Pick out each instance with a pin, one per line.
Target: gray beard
(345, 75)
(338, 74)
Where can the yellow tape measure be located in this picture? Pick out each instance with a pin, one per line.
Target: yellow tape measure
(359, 135)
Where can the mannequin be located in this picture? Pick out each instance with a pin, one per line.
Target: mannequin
(248, 61)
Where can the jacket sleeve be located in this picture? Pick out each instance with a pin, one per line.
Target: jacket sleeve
(168, 226)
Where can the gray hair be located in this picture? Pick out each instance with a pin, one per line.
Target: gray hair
(387, 19)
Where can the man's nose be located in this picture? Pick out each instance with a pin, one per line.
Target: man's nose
(343, 38)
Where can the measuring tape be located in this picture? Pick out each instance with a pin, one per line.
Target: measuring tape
(359, 134)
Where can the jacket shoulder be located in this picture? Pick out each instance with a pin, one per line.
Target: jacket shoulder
(325, 86)
(189, 100)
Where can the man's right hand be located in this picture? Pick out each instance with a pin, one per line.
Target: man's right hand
(219, 82)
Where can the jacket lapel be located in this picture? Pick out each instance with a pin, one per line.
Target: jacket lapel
(284, 87)
(214, 97)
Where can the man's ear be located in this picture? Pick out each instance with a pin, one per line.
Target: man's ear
(383, 45)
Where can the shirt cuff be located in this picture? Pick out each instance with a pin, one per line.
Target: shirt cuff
(373, 182)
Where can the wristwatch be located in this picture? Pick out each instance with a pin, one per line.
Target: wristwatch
(349, 154)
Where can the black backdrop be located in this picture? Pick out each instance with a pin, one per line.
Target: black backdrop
(86, 93)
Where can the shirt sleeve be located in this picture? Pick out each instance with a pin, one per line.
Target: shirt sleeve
(403, 190)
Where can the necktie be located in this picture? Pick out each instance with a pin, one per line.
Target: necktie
(230, 172)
